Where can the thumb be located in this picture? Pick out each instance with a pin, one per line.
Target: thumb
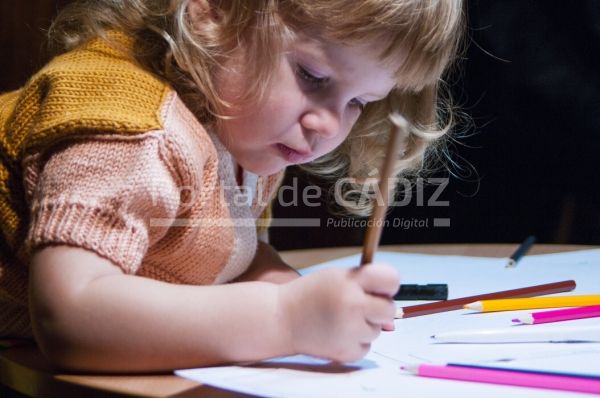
(378, 279)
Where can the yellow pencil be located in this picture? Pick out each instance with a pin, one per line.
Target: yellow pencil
(533, 303)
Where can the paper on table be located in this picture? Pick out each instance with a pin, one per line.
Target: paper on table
(378, 375)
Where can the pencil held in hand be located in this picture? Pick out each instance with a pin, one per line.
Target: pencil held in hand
(373, 235)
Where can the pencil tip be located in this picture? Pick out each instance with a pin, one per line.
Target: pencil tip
(399, 313)
(476, 306)
(410, 368)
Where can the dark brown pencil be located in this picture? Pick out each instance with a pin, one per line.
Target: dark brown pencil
(375, 226)
(458, 303)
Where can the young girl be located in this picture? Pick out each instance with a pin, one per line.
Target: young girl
(138, 165)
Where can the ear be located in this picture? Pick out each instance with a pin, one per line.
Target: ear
(202, 12)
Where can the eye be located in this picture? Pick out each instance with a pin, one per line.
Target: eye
(311, 78)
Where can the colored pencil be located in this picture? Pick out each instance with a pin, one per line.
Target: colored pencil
(568, 314)
(522, 370)
(458, 303)
(515, 334)
(507, 377)
(520, 252)
(512, 304)
(375, 226)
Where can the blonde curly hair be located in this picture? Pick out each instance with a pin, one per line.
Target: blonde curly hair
(166, 42)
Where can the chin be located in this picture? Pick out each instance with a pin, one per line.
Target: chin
(266, 169)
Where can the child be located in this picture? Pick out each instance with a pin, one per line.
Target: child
(132, 163)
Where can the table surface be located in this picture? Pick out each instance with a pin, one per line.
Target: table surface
(25, 370)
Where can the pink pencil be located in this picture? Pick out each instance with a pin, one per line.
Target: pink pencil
(505, 377)
(560, 315)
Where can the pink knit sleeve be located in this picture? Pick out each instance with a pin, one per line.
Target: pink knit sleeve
(102, 195)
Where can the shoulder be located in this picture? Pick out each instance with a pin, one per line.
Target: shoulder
(96, 87)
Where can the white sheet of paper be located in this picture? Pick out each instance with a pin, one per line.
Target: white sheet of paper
(379, 374)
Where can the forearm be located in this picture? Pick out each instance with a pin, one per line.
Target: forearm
(268, 266)
(129, 323)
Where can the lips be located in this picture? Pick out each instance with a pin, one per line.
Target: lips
(293, 155)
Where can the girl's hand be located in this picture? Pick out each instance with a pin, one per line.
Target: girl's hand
(337, 313)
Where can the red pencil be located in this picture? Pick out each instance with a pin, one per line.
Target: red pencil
(536, 318)
(458, 303)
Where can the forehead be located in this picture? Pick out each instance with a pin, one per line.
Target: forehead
(427, 34)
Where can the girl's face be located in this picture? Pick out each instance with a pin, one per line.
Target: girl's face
(317, 94)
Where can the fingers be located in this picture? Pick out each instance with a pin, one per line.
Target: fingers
(381, 283)
(378, 279)
(379, 310)
(388, 327)
(365, 325)
(349, 311)
(353, 354)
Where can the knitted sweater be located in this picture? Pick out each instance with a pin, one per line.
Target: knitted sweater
(97, 153)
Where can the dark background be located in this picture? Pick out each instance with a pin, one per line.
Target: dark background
(528, 163)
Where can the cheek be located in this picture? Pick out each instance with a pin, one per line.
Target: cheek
(284, 98)
(281, 109)
(335, 142)
(330, 145)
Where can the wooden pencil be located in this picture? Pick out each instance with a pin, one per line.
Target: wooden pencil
(458, 303)
(511, 377)
(532, 303)
(568, 314)
(520, 252)
(375, 226)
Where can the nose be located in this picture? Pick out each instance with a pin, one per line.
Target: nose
(322, 121)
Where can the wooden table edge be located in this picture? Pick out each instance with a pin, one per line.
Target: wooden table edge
(306, 257)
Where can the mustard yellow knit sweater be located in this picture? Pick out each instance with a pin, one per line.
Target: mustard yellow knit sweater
(78, 93)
